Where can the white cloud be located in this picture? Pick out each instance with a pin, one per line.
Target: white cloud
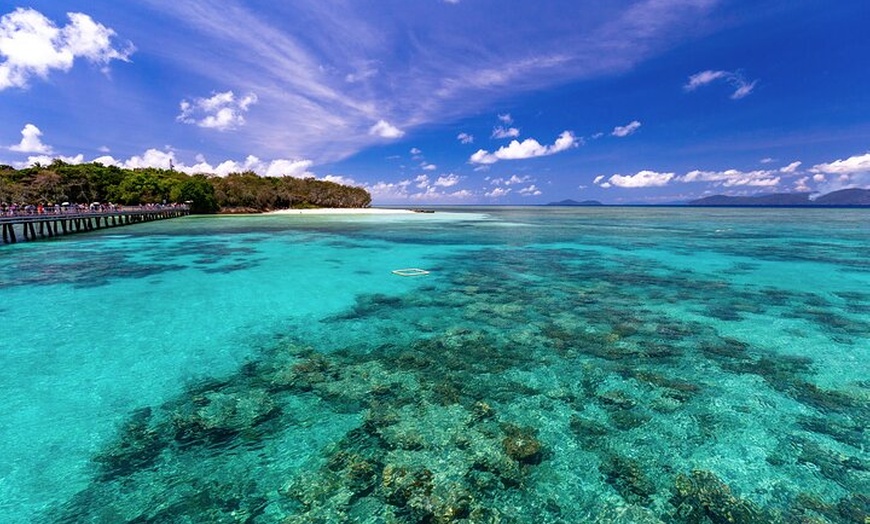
(33, 45)
(643, 178)
(703, 78)
(282, 167)
(498, 192)
(384, 129)
(221, 111)
(502, 132)
(422, 181)
(791, 168)
(766, 160)
(30, 141)
(341, 179)
(415, 151)
(598, 179)
(46, 159)
(428, 167)
(514, 179)
(733, 177)
(741, 86)
(162, 159)
(447, 180)
(844, 173)
(528, 148)
(850, 166)
(622, 131)
(801, 184)
(532, 190)
(507, 119)
(465, 138)
(483, 157)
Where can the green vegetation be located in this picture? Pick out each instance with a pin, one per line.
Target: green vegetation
(240, 192)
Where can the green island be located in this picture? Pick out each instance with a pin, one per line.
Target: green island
(244, 192)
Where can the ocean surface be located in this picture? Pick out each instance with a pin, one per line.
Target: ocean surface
(610, 365)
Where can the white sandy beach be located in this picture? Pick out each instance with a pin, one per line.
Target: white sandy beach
(342, 211)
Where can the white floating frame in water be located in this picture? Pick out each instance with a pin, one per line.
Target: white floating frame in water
(410, 272)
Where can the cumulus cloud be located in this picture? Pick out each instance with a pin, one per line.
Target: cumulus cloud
(164, 158)
(30, 141)
(404, 190)
(528, 148)
(48, 159)
(622, 131)
(507, 119)
(498, 192)
(742, 87)
(850, 166)
(32, 45)
(844, 173)
(791, 168)
(734, 177)
(428, 167)
(221, 111)
(505, 132)
(384, 129)
(514, 179)
(465, 138)
(531, 190)
(449, 180)
(801, 184)
(645, 178)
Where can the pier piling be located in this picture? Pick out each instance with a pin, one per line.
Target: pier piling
(50, 225)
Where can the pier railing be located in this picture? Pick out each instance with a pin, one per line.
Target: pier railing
(25, 224)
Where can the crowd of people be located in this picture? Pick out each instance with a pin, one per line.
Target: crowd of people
(16, 209)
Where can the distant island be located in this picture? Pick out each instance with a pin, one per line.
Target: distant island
(574, 203)
(843, 197)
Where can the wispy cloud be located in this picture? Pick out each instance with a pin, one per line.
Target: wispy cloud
(465, 138)
(319, 95)
(528, 148)
(221, 111)
(742, 87)
(31, 45)
(623, 131)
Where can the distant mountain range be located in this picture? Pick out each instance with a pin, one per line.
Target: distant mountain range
(570, 202)
(843, 197)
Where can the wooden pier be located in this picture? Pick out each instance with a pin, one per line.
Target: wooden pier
(54, 224)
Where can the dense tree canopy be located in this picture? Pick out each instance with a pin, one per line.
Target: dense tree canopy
(84, 183)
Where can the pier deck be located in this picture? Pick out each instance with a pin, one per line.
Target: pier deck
(53, 224)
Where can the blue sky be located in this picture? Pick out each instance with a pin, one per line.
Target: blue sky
(451, 101)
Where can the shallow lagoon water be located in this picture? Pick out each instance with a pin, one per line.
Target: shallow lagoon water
(556, 365)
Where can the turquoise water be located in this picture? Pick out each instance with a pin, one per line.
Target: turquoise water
(557, 365)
